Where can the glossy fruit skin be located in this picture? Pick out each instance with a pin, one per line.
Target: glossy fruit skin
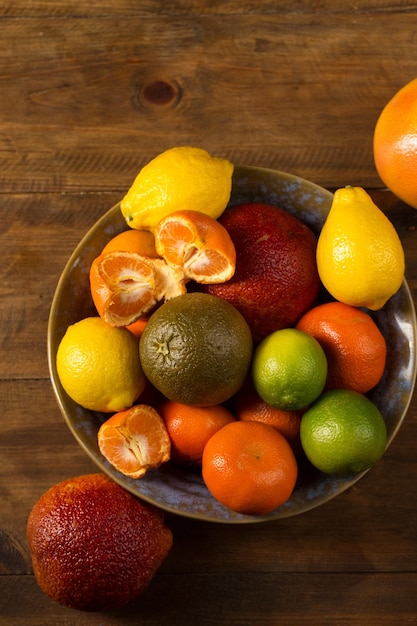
(249, 467)
(360, 257)
(99, 366)
(196, 349)
(354, 346)
(249, 406)
(183, 177)
(94, 546)
(276, 276)
(289, 369)
(190, 428)
(395, 144)
(343, 432)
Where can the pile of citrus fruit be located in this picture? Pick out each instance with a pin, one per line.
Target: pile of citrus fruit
(214, 345)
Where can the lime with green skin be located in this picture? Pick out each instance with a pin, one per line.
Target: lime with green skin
(289, 369)
(343, 432)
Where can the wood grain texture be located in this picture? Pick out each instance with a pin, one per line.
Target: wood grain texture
(89, 92)
(85, 101)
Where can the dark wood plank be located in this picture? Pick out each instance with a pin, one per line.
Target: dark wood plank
(83, 108)
(229, 599)
(105, 8)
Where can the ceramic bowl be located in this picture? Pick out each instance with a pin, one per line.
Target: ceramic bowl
(182, 491)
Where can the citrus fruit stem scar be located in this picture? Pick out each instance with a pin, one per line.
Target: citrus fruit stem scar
(163, 348)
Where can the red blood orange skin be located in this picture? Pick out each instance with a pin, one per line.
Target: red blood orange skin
(94, 546)
(276, 278)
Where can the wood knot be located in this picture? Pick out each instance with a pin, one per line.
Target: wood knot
(158, 94)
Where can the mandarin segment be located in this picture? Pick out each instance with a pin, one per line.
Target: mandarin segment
(135, 440)
(198, 244)
(125, 285)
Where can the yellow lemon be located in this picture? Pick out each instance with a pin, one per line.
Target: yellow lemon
(179, 178)
(360, 258)
(99, 366)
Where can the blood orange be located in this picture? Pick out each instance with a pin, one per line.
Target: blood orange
(276, 278)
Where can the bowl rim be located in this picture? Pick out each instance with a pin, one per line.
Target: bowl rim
(123, 481)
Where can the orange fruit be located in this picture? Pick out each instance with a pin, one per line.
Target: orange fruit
(276, 278)
(189, 428)
(125, 285)
(249, 467)
(94, 546)
(140, 241)
(249, 406)
(198, 244)
(135, 440)
(352, 342)
(196, 349)
(137, 328)
(395, 144)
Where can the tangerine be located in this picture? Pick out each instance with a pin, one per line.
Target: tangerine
(125, 285)
(135, 440)
(140, 241)
(198, 244)
(276, 278)
(249, 406)
(189, 428)
(249, 467)
(352, 342)
(395, 144)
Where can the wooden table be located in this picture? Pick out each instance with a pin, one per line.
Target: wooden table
(89, 92)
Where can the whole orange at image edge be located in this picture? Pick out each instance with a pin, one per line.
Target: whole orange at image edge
(352, 342)
(395, 144)
(249, 467)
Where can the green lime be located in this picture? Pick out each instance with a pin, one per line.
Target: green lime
(196, 349)
(343, 432)
(289, 369)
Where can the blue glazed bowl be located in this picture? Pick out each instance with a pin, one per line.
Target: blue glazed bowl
(180, 490)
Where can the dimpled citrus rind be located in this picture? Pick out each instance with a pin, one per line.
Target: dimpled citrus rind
(196, 349)
(99, 366)
(94, 546)
(289, 369)
(360, 258)
(181, 178)
(343, 432)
